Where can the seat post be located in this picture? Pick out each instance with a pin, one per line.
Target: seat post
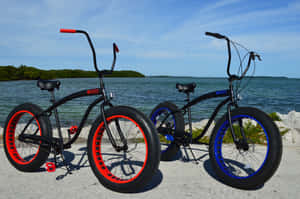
(189, 112)
(52, 100)
(58, 126)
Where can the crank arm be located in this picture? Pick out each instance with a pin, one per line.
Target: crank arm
(40, 140)
(37, 140)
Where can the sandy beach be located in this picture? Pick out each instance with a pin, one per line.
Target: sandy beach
(181, 178)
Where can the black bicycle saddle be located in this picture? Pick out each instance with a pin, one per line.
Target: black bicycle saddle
(186, 88)
(48, 85)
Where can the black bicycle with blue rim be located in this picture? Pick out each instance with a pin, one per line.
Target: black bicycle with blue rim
(245, 145)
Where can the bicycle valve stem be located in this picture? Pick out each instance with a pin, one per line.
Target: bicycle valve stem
(111, 95)
(239, 97)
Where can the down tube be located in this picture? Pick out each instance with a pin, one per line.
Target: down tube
(212, 118)
(86, 114)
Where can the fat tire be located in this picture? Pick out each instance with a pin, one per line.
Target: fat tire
(153, 156)
(272, 160)
(174, 147)
(45, 129)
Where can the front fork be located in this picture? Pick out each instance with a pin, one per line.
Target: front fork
(240, 143)
(110, 136)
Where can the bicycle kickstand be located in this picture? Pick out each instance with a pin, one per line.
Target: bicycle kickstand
(57, 149)
(194, 157)
(69, 171)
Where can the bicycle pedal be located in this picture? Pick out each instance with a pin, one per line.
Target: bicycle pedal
(73, 129)
(50, 167)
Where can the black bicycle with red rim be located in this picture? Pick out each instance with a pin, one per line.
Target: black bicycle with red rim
(123, 151)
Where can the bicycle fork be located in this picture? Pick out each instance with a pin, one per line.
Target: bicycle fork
(240, 143)
(111, 137)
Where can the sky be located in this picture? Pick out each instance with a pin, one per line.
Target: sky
(155, 37)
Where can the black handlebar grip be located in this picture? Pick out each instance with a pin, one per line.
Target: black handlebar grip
(216, 35)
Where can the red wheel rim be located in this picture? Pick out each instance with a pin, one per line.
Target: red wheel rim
(97, 155)
(10, 138)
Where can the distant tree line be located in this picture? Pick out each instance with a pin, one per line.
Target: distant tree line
(30, 73)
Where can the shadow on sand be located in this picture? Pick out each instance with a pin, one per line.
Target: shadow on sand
(69, 158)
(184, 155)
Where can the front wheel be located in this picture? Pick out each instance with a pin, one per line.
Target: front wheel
(254, 158)
(127, 169)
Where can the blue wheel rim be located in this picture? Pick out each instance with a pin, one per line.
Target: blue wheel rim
(218, 142)
(153, 119)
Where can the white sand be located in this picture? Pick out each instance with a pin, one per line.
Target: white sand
(175, 180)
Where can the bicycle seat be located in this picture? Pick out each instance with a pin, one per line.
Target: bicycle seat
(48, 85)
(186, 88)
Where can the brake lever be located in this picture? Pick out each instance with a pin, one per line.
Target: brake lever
(258, 57)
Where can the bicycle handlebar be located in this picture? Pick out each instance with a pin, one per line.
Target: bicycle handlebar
(67, 30)
(252, 55)
(216, 35)
(115, 50)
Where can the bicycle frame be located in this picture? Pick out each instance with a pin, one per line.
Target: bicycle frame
(215, 94)
(48, 112)
(229, 93)
(96, 91)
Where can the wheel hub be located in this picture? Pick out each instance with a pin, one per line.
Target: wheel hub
(242, 144)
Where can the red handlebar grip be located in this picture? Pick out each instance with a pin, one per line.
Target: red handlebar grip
(116, 48)
(68, 30)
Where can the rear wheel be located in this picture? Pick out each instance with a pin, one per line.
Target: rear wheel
(128, 169)
(169, 122)
(22, 155)
(251, 161)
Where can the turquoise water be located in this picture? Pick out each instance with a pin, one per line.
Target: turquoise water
(269, 94)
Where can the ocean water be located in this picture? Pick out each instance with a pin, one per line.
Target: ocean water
(269, 94)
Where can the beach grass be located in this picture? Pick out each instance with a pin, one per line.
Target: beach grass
(274, 116)
(252, 132)
(284, 131)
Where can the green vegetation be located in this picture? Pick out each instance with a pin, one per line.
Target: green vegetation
(163, 139)
(253, 133)
(197, 132)
(274, 116)
(284, 131)
(30, 73)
